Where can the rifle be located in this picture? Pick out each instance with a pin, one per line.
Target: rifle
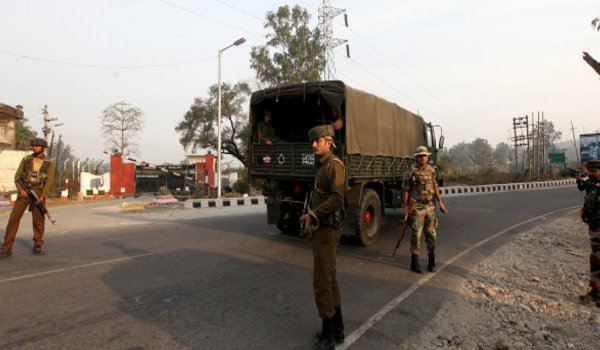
(409, 211)
(34, 200)
(305, 210)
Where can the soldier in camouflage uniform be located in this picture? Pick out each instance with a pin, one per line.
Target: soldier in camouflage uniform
(590, 213)
(266, 131)
(37, 172)
(420, 184)
(327, 214)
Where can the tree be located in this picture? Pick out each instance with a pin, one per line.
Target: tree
(596, 23)
(503, 154)
(293, 52)
(459, 155)
(481, 153)
(121, 125)
(199, 124)
(23, 135)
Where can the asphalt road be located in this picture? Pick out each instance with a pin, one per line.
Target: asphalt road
(226, 280)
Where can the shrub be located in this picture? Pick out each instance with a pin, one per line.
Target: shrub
(241, 186)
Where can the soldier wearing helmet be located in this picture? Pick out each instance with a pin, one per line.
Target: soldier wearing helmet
(590, 214)
(326, 218)
(37, 172)
(420, 184)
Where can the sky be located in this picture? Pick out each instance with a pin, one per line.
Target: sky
(467, 65)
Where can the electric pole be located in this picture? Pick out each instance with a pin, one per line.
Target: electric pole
(522, 139)
(575, 144)
(326, 16)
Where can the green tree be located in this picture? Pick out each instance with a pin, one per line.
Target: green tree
(481, 153)
(23, 135)
(198, 129)
(293, 52)
(121, 126)
(459, 157)
(503, 154)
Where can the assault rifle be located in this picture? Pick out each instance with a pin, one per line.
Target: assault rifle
(409, 211)
(34, 200)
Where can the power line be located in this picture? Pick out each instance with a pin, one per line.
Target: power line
(102, 66)
(240, 10)
(195, 13)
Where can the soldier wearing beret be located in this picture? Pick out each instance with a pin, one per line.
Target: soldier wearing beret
(420, 184)
(590, 214)
(326, 215)
(37, 172)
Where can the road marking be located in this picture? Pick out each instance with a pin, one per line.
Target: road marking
(368, 324)
(78, 267)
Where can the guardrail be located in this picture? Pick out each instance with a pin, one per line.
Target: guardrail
(521, 186)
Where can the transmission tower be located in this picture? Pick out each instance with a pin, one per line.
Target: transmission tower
(326, 15)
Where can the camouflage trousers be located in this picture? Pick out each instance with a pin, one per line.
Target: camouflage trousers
(325, 286)
(595, 258)
(423, 219)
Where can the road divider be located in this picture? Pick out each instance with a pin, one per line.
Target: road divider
(453, 191)
(223, 202)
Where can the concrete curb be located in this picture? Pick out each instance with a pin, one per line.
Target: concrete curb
(455, 191)
(223, 202)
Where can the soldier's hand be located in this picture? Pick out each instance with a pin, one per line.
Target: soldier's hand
(269, 143)
(443, 208)
(23, 193)
(306, 219)
(42, 200)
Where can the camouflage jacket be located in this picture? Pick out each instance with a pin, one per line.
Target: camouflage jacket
(420, 183)
(37, 180)
(590, 213)
(266, 132)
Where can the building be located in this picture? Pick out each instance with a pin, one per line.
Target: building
(8, 116)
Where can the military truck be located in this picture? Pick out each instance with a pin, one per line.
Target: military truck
(376, 141)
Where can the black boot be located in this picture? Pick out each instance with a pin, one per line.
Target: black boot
(591, 296)
(5, 254)
(338, 326)
(325, 341)
(431, 265)
(414, 264)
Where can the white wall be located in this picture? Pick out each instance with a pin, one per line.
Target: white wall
(9, 162)
(90, 181)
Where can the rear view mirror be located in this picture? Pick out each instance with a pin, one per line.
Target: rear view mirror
(441, 143)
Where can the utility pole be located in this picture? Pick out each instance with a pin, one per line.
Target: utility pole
(575, 144)
(57, 169)
(326, 16)
(522, 139)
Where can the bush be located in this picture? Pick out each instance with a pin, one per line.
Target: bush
(241, 186)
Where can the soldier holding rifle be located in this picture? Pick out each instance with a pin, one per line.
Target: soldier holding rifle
(35, 174)
(420, 184)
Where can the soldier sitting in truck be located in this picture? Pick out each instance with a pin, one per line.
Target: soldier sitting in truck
(266, 131)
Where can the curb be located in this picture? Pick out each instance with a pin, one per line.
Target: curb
(223, 202)
(454, 191)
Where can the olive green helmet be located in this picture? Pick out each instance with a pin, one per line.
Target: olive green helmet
(38, 141)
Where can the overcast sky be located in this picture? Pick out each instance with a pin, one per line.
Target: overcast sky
(468, 65)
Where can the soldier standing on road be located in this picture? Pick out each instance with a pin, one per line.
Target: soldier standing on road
(420, 184)
(266, 131)
(37, 172)
(327, 215)
(590, 213)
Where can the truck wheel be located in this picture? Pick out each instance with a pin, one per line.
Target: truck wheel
(288, 220)
(369, 217)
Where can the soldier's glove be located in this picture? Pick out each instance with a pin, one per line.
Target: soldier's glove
(310, 228)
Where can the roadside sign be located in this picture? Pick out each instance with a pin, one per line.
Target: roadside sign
(558, 157)
(589, 146)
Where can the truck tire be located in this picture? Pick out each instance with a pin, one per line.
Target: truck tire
(288, 222)
(369, 217)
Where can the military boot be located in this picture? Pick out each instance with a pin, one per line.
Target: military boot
(431, 265)
(414, 264)
(338, 326)
(5, 254)
(37, 250)
(591, 296)
(325, 341)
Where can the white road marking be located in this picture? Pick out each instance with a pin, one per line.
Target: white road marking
(78, 267)
(368, 324)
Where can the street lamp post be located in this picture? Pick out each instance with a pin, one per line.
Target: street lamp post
(238, 42)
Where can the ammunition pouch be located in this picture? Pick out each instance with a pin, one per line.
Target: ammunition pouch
(335, 219)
